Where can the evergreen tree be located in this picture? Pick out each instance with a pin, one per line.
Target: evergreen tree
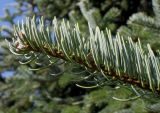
(47, 84)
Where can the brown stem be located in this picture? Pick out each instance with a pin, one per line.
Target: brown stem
(124, 76)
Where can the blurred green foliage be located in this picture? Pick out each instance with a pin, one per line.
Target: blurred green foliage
(39, 92)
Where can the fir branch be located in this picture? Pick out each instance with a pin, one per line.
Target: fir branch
(156, 8)
(87, 14)
(143, 20)
(121, 59)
